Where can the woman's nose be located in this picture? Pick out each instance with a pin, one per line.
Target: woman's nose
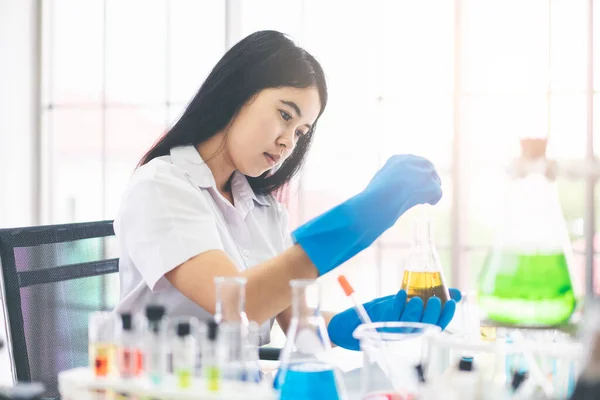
(287, 142)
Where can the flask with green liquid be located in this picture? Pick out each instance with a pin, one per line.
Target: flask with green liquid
(526, 279)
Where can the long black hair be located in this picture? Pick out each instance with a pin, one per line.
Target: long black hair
(264, 59)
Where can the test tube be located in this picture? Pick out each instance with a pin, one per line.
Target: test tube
(210, 357)
(184, 355)
(154, 346)
(101, 342)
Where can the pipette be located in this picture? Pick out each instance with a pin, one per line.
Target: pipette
(364, 317)
(360, 309)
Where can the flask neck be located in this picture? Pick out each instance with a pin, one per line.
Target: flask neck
(422, 235)
(306, 299)
(230, 299)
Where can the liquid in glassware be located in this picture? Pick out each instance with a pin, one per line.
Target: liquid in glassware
(527, 289)
(525, 279)
(425, 284)
(304, 371)
(101, 358)
(303, 379)
(423, 276)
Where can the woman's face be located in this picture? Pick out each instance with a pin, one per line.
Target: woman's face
(265, 131)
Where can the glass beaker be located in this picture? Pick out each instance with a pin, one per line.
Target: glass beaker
(392, 351)
(305, 372)
(526, 279)
(423, 275)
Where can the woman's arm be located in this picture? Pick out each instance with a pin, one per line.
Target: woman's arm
(268, 291)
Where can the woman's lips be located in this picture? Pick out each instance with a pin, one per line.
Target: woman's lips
(271, 160)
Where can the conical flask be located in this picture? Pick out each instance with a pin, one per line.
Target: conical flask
(305, 372)
(423, 276)
(526, 279)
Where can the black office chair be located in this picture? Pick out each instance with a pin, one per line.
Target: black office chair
(53, 277)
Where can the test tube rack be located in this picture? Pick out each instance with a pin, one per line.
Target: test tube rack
(81, 384)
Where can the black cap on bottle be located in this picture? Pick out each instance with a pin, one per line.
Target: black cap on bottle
(155, 312)
(517, 379)
(465, 364)
(213, 329)
(420, 373)
(183, 329)
(126, 319)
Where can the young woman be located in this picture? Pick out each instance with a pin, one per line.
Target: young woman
(200, 205)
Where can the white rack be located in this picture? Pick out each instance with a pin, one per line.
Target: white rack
(81, 384)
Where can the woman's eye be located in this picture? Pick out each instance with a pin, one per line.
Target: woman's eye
(286, 116)
(299, 133)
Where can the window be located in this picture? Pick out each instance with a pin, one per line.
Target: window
(457, 82)
(393, 89)
(116, 74)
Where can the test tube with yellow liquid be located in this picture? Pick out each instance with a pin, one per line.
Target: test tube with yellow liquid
(423, 276)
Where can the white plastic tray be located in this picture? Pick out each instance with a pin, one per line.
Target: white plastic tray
(81, 384)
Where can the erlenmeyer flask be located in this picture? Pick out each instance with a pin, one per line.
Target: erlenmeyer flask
(526, 279)
(305, 371)
(423, 275)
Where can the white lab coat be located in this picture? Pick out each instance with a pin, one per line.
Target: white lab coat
(171, 211)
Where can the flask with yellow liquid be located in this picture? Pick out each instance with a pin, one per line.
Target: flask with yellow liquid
(423, 275)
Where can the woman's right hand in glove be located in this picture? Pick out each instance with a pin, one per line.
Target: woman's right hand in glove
(342, 232)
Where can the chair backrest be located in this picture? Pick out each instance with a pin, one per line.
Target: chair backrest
(53, 277)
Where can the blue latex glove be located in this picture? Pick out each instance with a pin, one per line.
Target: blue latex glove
(342, 232)
(392, 308)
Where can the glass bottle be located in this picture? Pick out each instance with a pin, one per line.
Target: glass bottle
(154, 344)
(184, 348)
(305, 371)
(526, 279)
(423, 275)
(129, 357)
(101, 342)
(211, 359)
